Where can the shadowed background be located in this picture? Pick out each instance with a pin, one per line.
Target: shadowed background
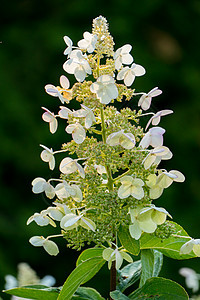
(166, 41)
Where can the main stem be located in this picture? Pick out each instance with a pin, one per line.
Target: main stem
(113, 271)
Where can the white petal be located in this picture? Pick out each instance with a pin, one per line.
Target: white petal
(53, 125)
(129, 78)
(68, 166)
(64, 82)
(124, 191)
(138, 70)
(37, 241)
(135, 230)
(51, 247)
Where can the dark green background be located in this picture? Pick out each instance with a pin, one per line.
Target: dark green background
(166, 41)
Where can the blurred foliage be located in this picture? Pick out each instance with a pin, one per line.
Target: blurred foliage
(166, 41)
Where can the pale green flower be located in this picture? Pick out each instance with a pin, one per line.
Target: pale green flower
(155, 189)
(41, 185)
(50, 118)
(191, 245)
(126, 140)
(69, 165)
(77, 131)
(117, 255)
(156, 155)
(41, 219)
(71, 221)
(50, 247)
(47, 155)
(165, 179)
(131, 187)
(105, 89)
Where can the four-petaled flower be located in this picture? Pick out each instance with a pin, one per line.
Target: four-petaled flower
(129, 74)
(89, 42)
(49, 246)
(64, 112)
(50, 118)
(145, 99)
(69, 44)
(156, 190)
(131, 187)
(86, 113)
(41, 219)
(69, 165)
(117, 255)
(156, 155)
(155, 119)
(191, 245)
(165, 179)
(77, 65)
(63, 92)
(77, 131)
(105, 89)
(122, 56)
(47, 155)
(126, 140)
(71, 221)
(41, 185)
(153, 137)
(64, 190)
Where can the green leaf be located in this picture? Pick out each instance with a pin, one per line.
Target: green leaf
(151, 264)
(81, 274)
(130, 244)
(129, 275)
(87, 294)
(117, 295)
(89, 253)
(170, 246)
(159, 289)
(39, 292)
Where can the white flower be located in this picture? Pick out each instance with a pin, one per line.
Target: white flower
(64, 190)
(140, 223)
(105, 89)
(50, 118)
(69, 165)
(64, 112)
(191, 278)
(41, 185)
(122, 56)
(129, 74)
(153, 137)
(131, 187)
(77, 131)
(47, 155)
(145, 99)
(126, 140)
(71, 221)
(156, 155)
(89, 42)
(158, 214)
(69, 44)
(111, 255)
(41, 219)
(49, 246)
(58, 211)
(63, 92)
(165, 179)
(77, 65)
(100, 169)
(155, 120)
(155, 189)
(192, 245)
(86, 113)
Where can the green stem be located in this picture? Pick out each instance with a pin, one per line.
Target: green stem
(120, 176)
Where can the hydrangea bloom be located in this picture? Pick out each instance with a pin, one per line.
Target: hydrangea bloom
(155, 119)
(165, 179)
(77, 131)
(105, 89)
(41, 219)
(145, 99)
(69, 165)
(77, 65)
(86, 113)
(191, 245)
(71, 221)
(131, 187)
(122, 56)
(49, 246)
(41, 185)
(128, 74)
(156, 190)
(126, 140)
(64, 112)
(63, 92)
(117, 255)
(50, 118)
(47, 155)
(156, 155)
(191, 278)
(89, 42)
(153, 137)
(69, 44)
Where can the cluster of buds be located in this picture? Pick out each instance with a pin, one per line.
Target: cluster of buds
(111, 173)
